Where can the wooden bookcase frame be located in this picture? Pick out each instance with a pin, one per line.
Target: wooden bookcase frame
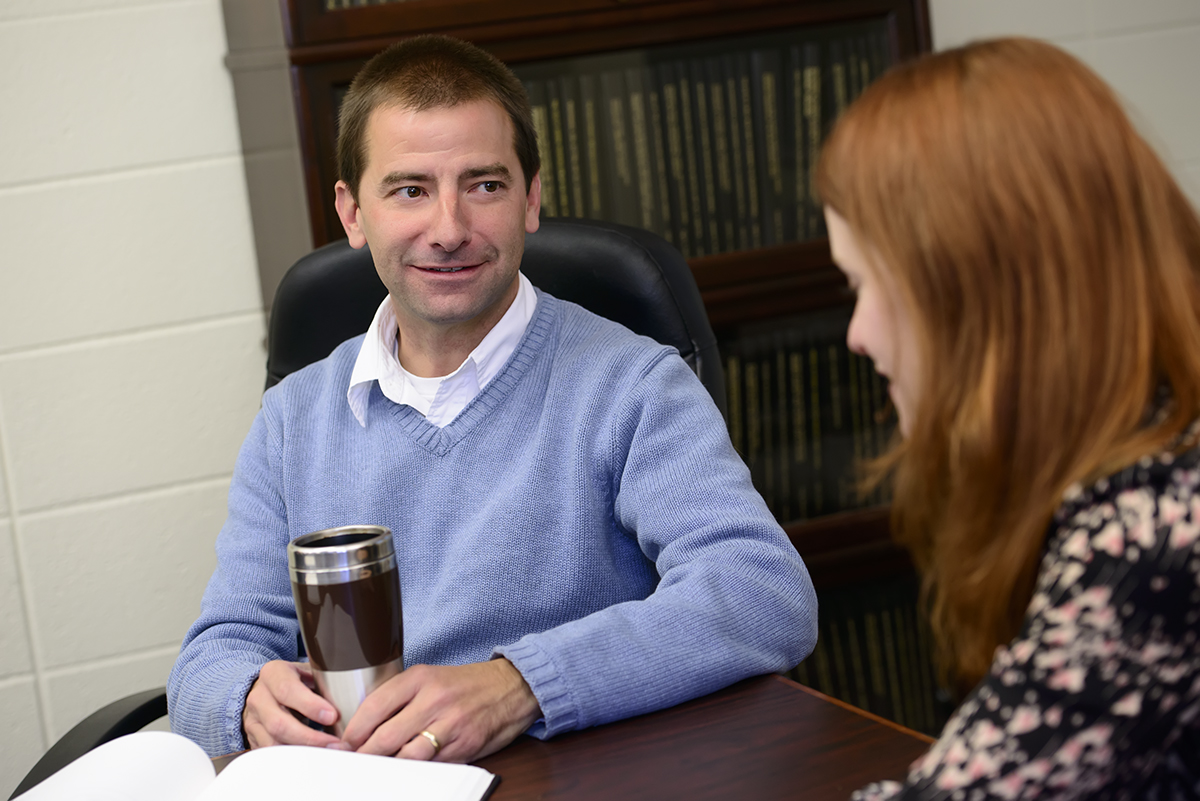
(327, 47)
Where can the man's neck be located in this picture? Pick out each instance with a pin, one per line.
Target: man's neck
(432, 351)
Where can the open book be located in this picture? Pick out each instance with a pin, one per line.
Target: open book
(157, 766)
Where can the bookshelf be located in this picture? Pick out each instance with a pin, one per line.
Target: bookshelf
(700, 120)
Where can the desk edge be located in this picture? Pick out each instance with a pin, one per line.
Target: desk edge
(925, 738)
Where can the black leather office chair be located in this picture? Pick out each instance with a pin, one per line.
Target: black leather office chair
(625, 274)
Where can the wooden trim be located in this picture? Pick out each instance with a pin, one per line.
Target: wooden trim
(314, 34)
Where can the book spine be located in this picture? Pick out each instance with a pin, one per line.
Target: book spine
(748, 141)
(839, 89)
(700, 245)
(839, 456)
(574, 159)
(560, 155)
(703, 120)
(783, 436)
(624, 207)
(541, 125)
(854, 399)
(726, 208)
(817, 465)
(737, 155)
(753, 422)
(861, 699)
(892, 662)
(642, 153)
(812, 134)
(591, 128)
(661, 163)
(854, 77)
(799, 432)
(733, 384)
(862, 51)
(764, 67)
(770, 438)
(679, 203)
(798, 149)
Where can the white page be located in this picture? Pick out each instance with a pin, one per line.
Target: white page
(302, 773)
(146, 766)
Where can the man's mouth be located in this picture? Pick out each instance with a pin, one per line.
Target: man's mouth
(456, 269)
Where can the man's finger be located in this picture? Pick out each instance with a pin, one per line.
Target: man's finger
(421, 747)
(275, 698)
(381, 706)
(288, 689)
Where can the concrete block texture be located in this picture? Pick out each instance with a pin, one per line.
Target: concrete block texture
(253, 24)
(136, 571)
(1109, 16)
(280, 214)
(78, 692)
(14, 636)
(266, 114)
(33, 9)
(21, 738)
(140, 84)
(130, 413)
(1155, 74)
(126, 251)
(956, 22)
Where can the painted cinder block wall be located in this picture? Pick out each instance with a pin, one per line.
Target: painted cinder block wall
(145, 206)
(131, 356)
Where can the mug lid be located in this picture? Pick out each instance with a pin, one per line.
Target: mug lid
(340, 548)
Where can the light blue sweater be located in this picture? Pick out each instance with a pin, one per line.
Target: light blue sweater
(585, 516)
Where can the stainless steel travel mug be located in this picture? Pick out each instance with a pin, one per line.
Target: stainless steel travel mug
(347, 593)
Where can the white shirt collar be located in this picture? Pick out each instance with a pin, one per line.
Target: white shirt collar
(439, 399)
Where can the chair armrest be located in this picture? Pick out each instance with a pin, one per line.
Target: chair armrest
(118, 718)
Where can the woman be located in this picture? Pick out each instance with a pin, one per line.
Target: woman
(1027, 278)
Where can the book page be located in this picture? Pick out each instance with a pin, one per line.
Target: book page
(302, 773)
(146, 766)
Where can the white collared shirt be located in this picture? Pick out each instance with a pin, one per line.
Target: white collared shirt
(439, 399)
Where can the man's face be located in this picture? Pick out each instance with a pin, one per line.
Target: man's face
(442, 204)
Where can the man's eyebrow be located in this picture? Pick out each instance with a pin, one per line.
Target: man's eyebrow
(401, 178)
(497, 170)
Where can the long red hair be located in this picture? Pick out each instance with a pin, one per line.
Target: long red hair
(1050, 265)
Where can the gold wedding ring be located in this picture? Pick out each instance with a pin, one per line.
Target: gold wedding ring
(432, 741)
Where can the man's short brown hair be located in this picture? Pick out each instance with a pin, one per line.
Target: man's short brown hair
(427, 72)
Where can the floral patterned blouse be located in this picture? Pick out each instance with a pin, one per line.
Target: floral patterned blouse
(1099, 694)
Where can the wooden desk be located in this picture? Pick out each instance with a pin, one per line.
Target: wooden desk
(763, 738)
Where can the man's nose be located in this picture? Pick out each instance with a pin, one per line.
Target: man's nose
(449, 229)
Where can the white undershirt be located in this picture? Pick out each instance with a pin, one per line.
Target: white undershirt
(439, 399)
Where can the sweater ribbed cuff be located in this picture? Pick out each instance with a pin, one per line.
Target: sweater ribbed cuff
(559, 711)
(235, 704)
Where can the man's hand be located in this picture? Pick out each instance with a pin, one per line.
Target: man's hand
(280, 688)
(471, 710)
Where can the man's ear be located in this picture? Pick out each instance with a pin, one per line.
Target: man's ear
(533, 204)
(348, 213)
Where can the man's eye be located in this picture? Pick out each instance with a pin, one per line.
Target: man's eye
(411, 191)
(491, 186)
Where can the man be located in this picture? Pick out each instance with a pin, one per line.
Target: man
(577, 540)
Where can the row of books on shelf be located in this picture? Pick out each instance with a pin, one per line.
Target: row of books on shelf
(804, 412)
(714, 152)
(874, 650)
